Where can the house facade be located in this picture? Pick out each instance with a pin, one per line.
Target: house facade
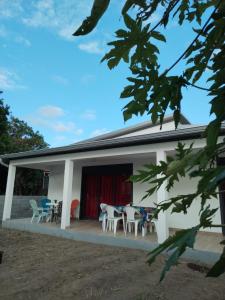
(96, 171)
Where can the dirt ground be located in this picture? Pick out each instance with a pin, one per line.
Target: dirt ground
(42, 267)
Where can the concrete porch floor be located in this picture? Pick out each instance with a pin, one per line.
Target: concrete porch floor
(91, 231)
(205, 241)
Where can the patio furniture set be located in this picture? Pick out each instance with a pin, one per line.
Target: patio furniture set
(131, 217)
(50, 211)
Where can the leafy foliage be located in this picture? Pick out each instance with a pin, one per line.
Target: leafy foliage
(4, 113)
(177, 244)
(153, 90)
(17, 136)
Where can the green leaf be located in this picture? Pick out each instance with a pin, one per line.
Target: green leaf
(127, 92)
(212, 132)
(177, 244)
(121, 33)
(130, 3)
(158, 36)
(98, 9)
(130, 23)
(113, 62)
(127, 6)
(176, 117)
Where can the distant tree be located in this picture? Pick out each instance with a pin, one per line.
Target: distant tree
(154, 88)
(17, 136)
(4, 126)
(22, 137)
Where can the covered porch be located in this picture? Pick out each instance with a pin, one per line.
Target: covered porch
(67, 176)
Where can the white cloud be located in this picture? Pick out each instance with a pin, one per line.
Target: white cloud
(43, 15)
(50, 111)
(36, 120)
(79, 131)
(93, 47)
(63, 126)
(60, 140)
(9, 35)
(9, 80)
(60, 79)
(66, 32)
(89, 115)
(61, 16)
(99, 132)
(10, 8)
(53, 118)
(68, 127)
(87, 78)
(23, 41)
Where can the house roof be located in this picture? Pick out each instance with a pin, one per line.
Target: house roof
(135, 128)
(91, 145)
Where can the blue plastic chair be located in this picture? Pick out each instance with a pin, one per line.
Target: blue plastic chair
(44, 201)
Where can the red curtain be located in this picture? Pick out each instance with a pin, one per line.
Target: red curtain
(91, 193)
(123, 190)
(106, 189)
(109, 189)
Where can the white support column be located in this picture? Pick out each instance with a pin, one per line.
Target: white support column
(67, 193)
(9, 192)
(162, 195)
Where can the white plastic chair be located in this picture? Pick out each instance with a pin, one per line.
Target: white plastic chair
(112, 220)
(103, 216)
(38, 212)
(155, 222)
(131, 211)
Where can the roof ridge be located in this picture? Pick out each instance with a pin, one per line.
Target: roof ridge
(134, 128)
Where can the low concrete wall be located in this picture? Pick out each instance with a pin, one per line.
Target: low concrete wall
(20, 206)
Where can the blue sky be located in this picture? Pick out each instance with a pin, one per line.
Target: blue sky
(56, 83)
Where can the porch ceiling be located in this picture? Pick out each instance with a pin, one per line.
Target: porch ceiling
(44, 166)
(92, 161)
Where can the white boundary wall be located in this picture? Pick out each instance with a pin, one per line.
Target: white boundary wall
(20, 206)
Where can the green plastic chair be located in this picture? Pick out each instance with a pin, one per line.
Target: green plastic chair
(38, 212)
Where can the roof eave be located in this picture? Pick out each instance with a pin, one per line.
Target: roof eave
(184, 134)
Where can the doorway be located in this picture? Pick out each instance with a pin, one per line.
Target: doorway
(105, 184)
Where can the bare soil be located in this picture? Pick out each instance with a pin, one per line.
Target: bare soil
(38, 266)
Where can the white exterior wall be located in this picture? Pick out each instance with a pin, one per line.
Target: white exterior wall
(186, 186)
(139, 190)
(56, 177)
(55, 187)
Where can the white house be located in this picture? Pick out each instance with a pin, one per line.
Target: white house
(95, 171)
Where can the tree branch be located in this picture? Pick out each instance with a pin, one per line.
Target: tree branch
(165, 15)
(198, 87)
(192, 43)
